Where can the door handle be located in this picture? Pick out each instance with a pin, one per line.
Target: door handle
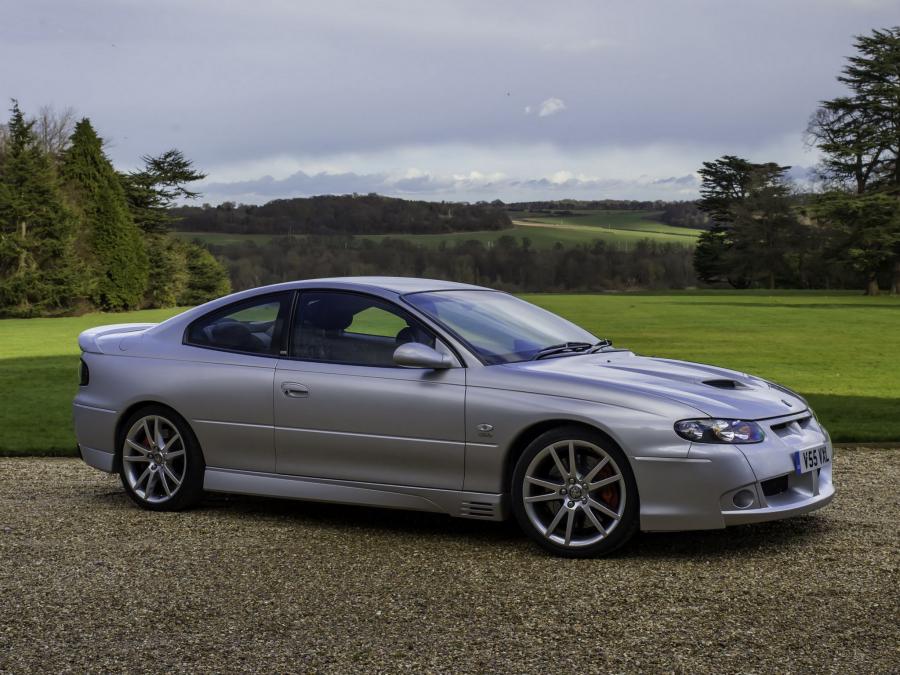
(294, 389)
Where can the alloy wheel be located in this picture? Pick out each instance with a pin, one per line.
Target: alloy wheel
(154, 459)
(574, 493)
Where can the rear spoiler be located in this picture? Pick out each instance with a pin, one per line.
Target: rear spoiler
(90, 340)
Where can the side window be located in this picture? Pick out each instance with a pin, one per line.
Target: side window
(352, 329)
(253, 326)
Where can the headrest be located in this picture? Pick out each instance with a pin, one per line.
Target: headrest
(232, 334)
(327, 315)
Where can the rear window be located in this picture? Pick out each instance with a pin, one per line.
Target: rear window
(253, 326)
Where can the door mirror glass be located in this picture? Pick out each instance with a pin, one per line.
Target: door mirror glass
(417, 355)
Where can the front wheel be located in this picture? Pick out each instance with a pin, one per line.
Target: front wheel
(573, 492)
(161, 465)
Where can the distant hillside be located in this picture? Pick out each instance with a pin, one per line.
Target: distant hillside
(677, 214)
(349, 214)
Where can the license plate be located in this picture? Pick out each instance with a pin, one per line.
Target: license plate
(811, 458)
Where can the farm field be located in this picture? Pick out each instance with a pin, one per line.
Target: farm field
(838, 349)
(221, 238)
(621, 228)
(646, 222)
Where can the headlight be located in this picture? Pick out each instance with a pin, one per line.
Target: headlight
(719, 431)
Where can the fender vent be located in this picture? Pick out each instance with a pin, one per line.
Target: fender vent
(483, 510)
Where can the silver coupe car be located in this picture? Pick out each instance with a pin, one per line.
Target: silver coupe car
(446, 397)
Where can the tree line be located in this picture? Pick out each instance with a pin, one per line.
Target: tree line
(766, 233)
(583, 204)
(508, 263)
(76, 235)
(342, 215)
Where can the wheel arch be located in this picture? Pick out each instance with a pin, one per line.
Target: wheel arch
(525, 437)
(131, 410)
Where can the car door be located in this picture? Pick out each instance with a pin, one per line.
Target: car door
(344, 411)
(225, 384)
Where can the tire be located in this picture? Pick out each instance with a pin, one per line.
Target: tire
(160, 477)
(589, 514)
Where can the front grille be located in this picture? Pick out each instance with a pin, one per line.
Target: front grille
(794, 426)
(774, 486)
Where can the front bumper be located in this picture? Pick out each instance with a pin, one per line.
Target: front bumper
(720, 485)
(791, 505)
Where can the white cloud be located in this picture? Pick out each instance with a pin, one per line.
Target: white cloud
(509, 171)
(551, 106)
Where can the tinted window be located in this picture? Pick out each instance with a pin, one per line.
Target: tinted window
(353, 329)
(498, 327)
(254, 326)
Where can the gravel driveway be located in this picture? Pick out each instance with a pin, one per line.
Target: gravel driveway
(90, 583)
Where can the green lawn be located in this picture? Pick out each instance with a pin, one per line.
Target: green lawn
(840, 350)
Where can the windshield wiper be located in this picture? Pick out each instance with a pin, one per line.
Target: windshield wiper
(561, 348)
(602, 343)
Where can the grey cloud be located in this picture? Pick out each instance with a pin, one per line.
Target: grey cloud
(427, 186)
(230, 83)
(687, 180)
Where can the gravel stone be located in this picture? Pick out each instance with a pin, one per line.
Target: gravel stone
(90, 583)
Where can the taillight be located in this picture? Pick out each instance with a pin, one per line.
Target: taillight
(85, 374)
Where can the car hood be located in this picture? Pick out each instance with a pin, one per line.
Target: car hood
(716, 392)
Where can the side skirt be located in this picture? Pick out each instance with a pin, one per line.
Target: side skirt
(479, 505)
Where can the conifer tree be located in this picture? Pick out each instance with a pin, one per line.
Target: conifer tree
(207, 279)
(37, 270)
(859, 136)
(111, 242)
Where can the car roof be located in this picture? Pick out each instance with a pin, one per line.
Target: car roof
(400, 285)
(385, 287)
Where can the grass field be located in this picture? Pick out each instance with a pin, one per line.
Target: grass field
(220, 238)
(840, 350)
(622, 228)
(644, 222)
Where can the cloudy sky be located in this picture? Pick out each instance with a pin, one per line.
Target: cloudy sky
(459, 100)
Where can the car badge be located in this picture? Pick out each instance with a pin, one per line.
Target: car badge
(485, 429)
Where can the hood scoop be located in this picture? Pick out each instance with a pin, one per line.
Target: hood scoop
(726, 384)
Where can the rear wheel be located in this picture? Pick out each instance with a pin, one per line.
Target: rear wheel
(161, 465)
(573, 492)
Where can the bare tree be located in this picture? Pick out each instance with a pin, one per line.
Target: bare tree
(54, 127)
(4, 138)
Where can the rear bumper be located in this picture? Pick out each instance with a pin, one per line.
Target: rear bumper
(94, 432)
(99, 459)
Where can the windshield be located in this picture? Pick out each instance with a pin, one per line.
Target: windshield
(496, 326)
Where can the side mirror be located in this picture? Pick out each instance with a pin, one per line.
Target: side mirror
(417, 355)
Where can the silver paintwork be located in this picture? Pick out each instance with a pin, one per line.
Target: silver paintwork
(443, 439)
